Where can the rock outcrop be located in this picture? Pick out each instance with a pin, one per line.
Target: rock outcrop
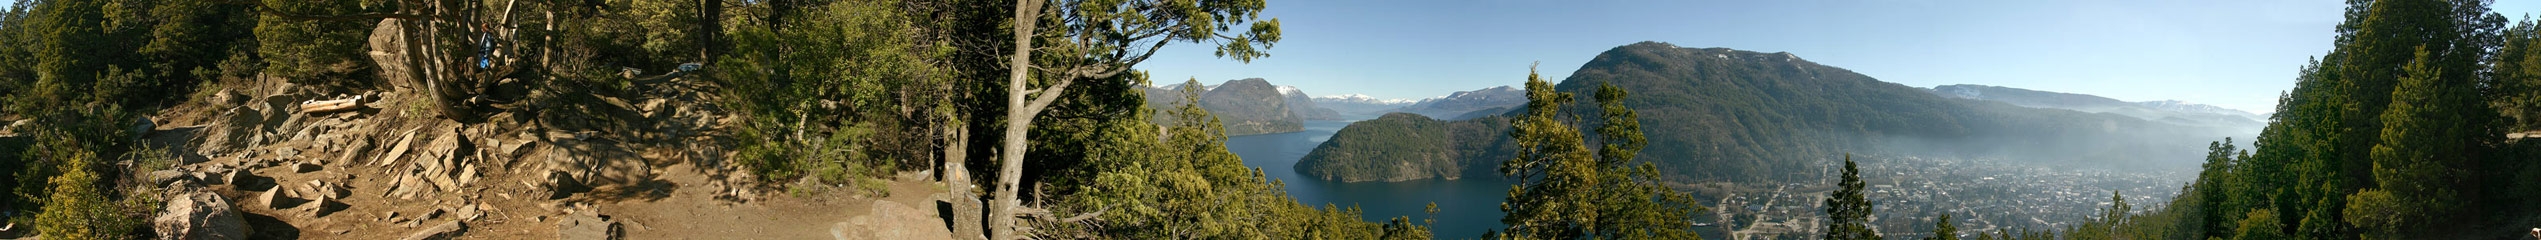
(200, 215)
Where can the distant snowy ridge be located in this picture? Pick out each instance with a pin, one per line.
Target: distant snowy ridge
(1286, 90)
(2182, 106)
(1362, 98)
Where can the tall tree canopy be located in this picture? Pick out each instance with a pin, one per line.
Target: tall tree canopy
(1096, 41)
(1563, 191)
(1847, 212)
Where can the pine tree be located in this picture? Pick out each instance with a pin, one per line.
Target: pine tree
(1847, 212)
(2422, 149)
(1634, 204)
(1553, 169)
(1943, 230)
(1564, 192)
(2210, 193)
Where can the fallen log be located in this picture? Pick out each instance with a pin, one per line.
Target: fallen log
(325, 106)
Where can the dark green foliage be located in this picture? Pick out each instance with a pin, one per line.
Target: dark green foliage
(2259, 224)
(1565, 191)
(2421, 153)
(83, 203)
(846, 94)
(313, 49)
(75, 193)
(2109, 224)
(1418, 149)
(1372, 150)
(1943, 229)
(124, 52)
(2210, 192)
(1847, 212)
(1182, 183)
(1633, 202)
(2517, 67)
(2392, 135)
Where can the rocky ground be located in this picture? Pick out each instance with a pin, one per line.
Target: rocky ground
(563, 162)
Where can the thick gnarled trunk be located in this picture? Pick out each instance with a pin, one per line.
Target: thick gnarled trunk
(1001, 217)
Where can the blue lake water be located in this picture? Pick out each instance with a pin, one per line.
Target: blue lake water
(1467, 206)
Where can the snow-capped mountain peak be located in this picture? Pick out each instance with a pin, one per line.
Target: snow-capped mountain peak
(1290, 91)
(2183, 106)
(1361, 98)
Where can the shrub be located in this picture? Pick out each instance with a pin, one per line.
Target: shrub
(79, 208)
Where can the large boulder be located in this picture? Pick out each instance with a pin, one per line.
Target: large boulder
(588, 225)
(200, 215)
(388, 50)
(236, 129)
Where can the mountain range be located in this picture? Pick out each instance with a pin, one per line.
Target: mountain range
(1247, 106)
(2167, 111)
(1361, 105)
(1304, 105)
(1456, 105)
(1718, 114)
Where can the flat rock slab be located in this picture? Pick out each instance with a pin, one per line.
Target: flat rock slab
(450, 230)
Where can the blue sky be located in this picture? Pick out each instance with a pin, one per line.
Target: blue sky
(2236, 53)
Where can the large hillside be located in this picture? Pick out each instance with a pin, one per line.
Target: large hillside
(2174, 112)
(1724, 114)
(1244, 106)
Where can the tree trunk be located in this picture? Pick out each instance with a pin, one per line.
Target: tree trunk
(713, 23)
(1001, 219)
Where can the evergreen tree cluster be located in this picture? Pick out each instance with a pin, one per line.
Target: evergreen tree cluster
(1847, 211)
(2397, 133)
(1179, 181)
(1565, 190)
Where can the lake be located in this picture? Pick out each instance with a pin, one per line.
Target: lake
(1467, 207)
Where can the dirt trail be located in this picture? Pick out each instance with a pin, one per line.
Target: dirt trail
(695, 215)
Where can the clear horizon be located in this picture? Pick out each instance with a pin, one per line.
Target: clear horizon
(2238, 55)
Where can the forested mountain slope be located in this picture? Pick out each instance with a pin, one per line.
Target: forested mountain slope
(2174, 112)
(1245, 106)
(1724, 114)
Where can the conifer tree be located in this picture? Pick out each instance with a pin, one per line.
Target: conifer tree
(1847, 212)
(2423, 147)
(1564, 192)
(1943, 230)
(1553, 169)
(2210, 193)
(1634, 204)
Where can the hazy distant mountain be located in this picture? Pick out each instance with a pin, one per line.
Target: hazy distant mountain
(1246, 106)
(1251, 106)
(1724, 114)
(1304, 105)
(1361, 105)
(1457, 104)
(2170, 111)
(2179, 106)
